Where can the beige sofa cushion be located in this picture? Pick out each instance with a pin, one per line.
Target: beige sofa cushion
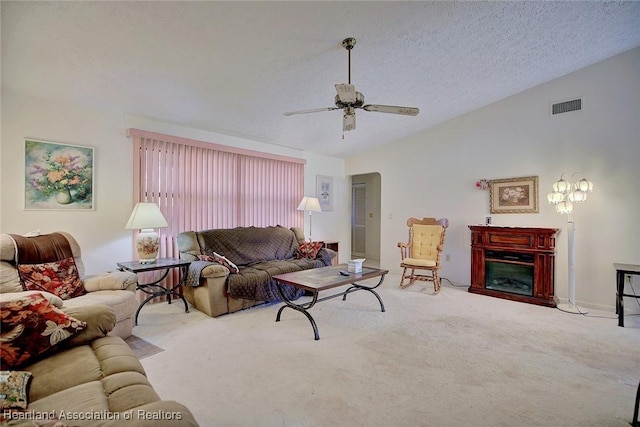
(99, 318)
(85, 398)
(123, 303)
(79, 365)
(103, 378)
(9, 279)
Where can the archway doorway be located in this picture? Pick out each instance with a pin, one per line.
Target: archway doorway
(365, 217)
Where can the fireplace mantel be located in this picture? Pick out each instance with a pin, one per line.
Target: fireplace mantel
(530, 248)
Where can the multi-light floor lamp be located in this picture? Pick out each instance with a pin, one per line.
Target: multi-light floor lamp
(564, 195)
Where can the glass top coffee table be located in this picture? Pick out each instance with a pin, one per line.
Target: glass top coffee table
(325, 278)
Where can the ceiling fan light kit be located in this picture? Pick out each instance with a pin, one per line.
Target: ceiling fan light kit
(348, 99)
(349, 119)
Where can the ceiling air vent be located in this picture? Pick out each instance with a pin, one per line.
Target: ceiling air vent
(566, 106)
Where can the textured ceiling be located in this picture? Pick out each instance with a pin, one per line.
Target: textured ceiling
(235, 67)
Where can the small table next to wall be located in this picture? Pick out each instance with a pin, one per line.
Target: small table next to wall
(621, 271)
(154, 289)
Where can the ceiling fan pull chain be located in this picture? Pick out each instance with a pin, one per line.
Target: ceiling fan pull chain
(349, 50)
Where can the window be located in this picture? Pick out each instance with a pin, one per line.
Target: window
(200, 186)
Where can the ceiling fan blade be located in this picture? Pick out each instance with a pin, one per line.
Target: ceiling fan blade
(349, 122)
(315, 110)
(346, 93)
(405, 111)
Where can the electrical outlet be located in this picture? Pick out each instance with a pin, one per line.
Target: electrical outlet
(447, 257)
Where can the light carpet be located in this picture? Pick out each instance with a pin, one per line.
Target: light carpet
(450, 359)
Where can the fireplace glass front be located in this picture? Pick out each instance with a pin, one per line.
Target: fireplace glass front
(509, 272)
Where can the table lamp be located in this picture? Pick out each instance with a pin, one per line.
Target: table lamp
(145, 217)
(311, 204)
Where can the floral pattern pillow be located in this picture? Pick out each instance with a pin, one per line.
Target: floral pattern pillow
(60, 278)
(13, 389)
(308, 250)
(220, 259)
(30, 326)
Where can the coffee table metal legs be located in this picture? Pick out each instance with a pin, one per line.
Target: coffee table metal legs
(355, 287)
(304, 307)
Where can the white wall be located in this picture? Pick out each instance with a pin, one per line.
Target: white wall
(101, 232)
(434, 173)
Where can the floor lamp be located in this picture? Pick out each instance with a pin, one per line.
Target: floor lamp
(564, 195)
(311, 204)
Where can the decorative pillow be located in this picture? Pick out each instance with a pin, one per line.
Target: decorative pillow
(308, 250)
(54, 300)
(30, 326)
(61, 278)
(220, 260)
(13, 389)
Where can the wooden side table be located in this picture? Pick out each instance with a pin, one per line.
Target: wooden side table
(154, 289)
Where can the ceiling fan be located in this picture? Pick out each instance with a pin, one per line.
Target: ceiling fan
(348, 99)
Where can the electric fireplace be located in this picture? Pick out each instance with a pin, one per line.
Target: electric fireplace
(516, 263)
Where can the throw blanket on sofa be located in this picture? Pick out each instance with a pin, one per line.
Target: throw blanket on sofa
(40, 249)
(255, 282)
(260, 253)
(247, 245)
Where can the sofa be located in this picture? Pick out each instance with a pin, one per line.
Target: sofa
(115, 289)
(83, 377)
(233, 269)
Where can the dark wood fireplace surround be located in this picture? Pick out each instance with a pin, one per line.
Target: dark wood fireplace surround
(539, 242)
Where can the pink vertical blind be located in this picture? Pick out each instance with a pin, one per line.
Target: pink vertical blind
(200, 186)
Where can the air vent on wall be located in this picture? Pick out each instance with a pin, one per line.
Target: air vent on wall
(566, 106)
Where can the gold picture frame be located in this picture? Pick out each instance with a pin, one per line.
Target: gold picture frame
(514, 195)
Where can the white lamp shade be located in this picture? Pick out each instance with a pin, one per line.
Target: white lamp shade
(146, 215)
(555, 197)
(561, 186)
(584, 185)
(311, 204)
(564, 207)
(578, 196)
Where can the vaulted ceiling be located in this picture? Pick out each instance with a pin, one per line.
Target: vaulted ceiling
(236, 67)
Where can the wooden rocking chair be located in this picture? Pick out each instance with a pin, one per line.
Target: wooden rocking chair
(423, 251)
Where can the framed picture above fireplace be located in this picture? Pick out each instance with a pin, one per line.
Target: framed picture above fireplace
(514, 195)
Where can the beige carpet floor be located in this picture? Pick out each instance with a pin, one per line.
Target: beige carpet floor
(453, 359)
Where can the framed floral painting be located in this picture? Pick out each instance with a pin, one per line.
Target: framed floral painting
(57, 176)
(514, 195)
